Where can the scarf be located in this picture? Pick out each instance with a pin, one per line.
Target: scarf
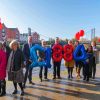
(9, 61)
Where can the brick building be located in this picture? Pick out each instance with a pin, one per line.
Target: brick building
(36, 37)
(9, 33)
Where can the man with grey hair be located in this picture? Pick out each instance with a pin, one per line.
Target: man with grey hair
(26, 51)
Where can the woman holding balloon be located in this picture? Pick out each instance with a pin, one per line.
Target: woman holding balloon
(78, 64)
(68, 57)
(57, 57)
(42, 56)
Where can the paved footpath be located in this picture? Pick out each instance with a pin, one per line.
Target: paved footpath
(63, 89)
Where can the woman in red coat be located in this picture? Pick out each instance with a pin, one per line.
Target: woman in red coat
(3, 62)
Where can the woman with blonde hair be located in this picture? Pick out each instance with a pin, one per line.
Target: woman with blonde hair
(14, 66)
(69, 63)
(3, 61)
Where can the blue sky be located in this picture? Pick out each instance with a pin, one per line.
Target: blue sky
(52, 18)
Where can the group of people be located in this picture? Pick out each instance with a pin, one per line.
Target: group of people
(13, 60)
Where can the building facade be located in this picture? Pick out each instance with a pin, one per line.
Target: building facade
(23, 37)
(36, 37)
(9, 34)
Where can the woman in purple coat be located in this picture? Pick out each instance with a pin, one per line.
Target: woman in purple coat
(3, 62)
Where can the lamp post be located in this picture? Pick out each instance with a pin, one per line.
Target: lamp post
(3, 34)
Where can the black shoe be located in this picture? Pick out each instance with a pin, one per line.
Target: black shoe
(31, 83)
(72, 77)
(87, 80)
(84, 78)
(22, 93)
(90, 76)
(93, 77)
(68, 76)
(59, 78)
(41, 79)
(2, 94)
(46, 79)
(23, 85)
(54, 78)
(15, 92)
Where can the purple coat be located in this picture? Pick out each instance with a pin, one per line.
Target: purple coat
(3, 64)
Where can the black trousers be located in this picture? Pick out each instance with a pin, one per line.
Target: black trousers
(28, 73)
(2, 86)
(20, 85)
(86, 70)
(92, 70)
(70, 71)
(56, 68)
(45, 72)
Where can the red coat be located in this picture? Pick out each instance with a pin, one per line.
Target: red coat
(3, 64)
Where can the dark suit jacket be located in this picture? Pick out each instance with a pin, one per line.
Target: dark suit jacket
(26, 51)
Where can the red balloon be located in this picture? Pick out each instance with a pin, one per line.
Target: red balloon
(81, 33)
(0, 26)
(77, 36)
(98, 39)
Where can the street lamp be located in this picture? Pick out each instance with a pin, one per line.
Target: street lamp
(3, 34)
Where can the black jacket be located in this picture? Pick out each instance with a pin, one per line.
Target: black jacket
(8, 50)
(18, 60)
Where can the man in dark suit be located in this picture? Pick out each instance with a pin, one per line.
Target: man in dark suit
(26, 51)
